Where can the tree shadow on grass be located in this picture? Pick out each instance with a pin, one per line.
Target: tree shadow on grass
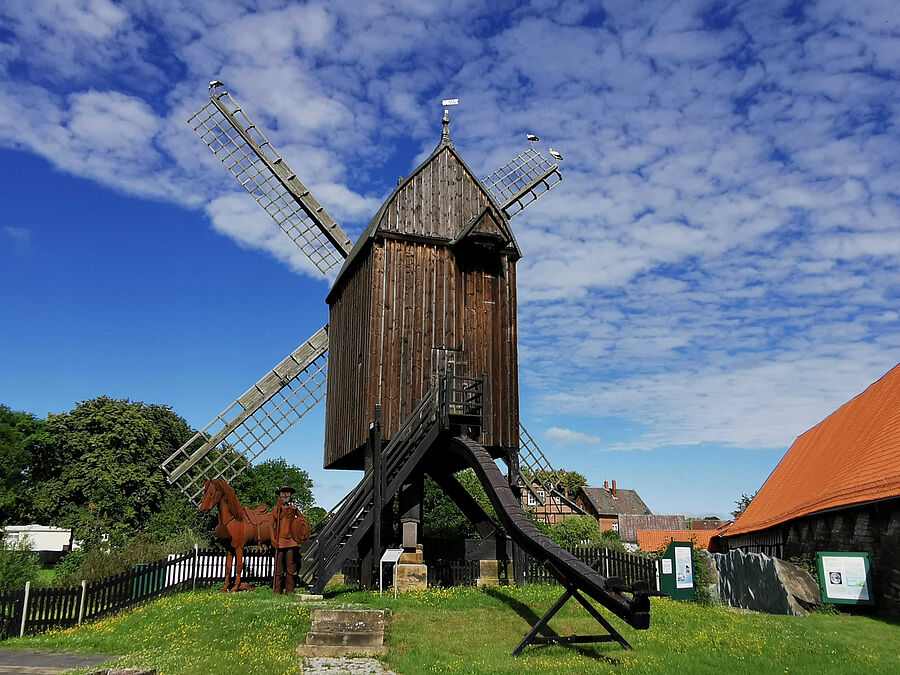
(532, 618)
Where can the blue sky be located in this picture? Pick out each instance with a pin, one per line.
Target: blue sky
(717, 272)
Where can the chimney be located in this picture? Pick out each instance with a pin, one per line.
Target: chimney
(606, 485)
(614, 489)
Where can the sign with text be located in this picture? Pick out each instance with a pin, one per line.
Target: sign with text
(676, 571)
(844, 577)
(684, 569)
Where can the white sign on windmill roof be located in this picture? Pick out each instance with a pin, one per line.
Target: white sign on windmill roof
(39, 537)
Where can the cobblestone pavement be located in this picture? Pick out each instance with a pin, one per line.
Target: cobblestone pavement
(344, 666)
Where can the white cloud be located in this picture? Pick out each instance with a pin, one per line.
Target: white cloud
(569, 437)
(721, 259)
(19, 237)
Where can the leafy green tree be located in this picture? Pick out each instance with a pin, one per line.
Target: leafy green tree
(178, 518)
(257, 484)
(99, 471)
(743, 503)
(443, 519)
(570, 481)
(21, 436)
(315, 515)
(17, 565)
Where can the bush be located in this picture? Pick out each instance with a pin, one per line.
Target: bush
(97, 562)
(575, 531)
(17, 565)
(701, 561)
(584, 531)
(67, 566)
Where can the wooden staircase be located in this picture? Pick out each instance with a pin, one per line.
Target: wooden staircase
(454, 403)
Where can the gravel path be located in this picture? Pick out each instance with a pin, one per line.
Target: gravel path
(344, 666)
(45, 662)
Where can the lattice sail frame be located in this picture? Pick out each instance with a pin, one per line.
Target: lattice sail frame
(535, 462)
(522, 181)
(253, 422)
(245, 151)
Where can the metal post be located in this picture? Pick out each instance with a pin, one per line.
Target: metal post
(83, 598)
(25, 608)
(656, 566)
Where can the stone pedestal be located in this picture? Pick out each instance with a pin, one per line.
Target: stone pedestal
(412, 572)
(493, 573)
(337, 580)
(337, 632)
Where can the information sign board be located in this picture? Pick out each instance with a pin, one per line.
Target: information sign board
(684, 568)
(844, 577)
(390, 557)
(676, 569)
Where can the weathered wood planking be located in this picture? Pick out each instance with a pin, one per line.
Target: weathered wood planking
(410, 303)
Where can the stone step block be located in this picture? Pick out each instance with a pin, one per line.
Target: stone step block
(317, 651)
(350, 616)
(356, 639)
(345, 626)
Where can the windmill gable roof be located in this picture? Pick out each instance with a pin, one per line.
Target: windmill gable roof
(603, 502)
(468, 202)
(851, 457)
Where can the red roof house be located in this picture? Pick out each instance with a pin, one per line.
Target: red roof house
(837, 489)
(657, 540)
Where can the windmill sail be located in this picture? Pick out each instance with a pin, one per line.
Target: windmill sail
(537, 471)
(227, 445)
(247, 154)
(522, 181)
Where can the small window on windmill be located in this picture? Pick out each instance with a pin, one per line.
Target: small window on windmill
(478, 243)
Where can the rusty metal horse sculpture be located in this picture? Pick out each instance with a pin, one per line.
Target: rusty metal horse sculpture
(238, 526)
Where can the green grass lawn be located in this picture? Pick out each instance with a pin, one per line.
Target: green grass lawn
(45, 577)
(466, 630)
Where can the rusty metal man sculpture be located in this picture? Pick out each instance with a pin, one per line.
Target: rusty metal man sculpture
(290, 530)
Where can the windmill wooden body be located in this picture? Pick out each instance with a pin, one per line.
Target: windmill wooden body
(428, 290)
(374, 348)
(420, 352)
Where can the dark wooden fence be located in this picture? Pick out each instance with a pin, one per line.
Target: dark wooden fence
(453, 572)
(32, 610)
(626, 566)
(10, 613)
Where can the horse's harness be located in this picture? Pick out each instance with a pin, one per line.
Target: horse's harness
(254, 522)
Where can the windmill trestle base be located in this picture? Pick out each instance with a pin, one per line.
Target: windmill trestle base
(612, 635)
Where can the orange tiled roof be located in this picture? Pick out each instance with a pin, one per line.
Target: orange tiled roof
(654, 540)
(852, 456)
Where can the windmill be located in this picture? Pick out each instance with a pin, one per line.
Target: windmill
(421, 358)
(256, 419)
